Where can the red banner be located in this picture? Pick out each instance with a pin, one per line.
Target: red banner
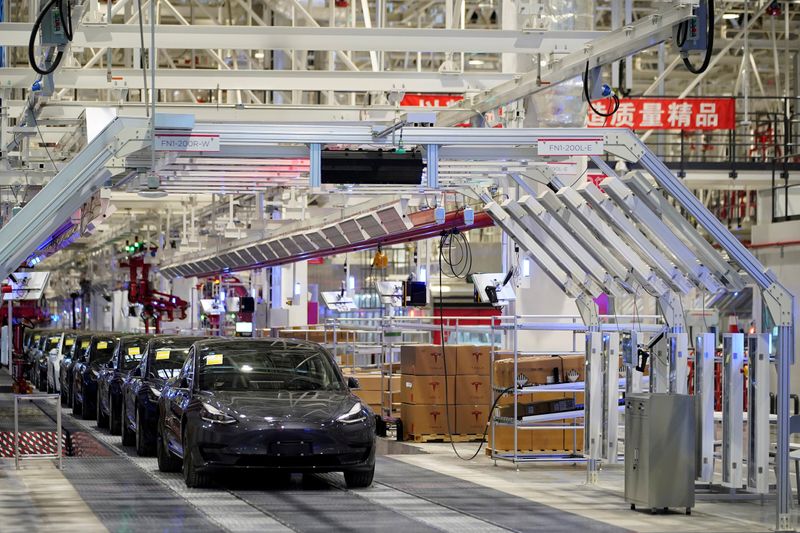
(429, 100)
(667, 114)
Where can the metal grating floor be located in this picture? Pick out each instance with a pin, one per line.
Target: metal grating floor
(127, 493)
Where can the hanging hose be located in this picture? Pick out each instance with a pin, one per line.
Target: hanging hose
(709, 41)
(65, 15)
(586, 93)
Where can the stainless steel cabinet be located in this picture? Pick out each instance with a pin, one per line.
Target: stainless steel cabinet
(660, 451)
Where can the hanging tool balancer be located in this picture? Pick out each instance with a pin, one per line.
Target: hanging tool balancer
(157, 305)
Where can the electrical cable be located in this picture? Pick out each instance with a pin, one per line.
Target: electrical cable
(66, 18)
(444, 357)
(709, 42)
(32, 42)
(586, 93)
(141, 55)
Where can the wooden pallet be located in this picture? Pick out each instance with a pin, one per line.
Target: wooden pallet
(438, 437)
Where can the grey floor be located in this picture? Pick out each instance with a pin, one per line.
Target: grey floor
(417, 488)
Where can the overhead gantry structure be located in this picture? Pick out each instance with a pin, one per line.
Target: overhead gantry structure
(619, 238)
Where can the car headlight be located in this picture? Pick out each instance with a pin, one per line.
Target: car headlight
(354, 415)
(215, 416)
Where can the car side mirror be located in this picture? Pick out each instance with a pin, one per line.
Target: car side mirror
(353, 383)
(136, 372)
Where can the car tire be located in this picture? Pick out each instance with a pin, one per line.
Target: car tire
(114, 421)
(193, 478)
(359, 479)
(102, 419)
(128, 436)
(143, 448)
(167, 461)
(86, 411)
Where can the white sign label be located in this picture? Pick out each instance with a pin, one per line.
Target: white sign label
(180, 142)
(566, 146)
(563, 168)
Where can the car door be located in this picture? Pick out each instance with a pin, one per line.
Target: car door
(179, 396)
(131, 389)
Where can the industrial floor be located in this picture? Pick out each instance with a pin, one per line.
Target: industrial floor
(418, 488)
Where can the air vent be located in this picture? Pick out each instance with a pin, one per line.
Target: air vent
(266, 250)
(304, 244)
(290, 246)
(393, 221)
(279, 250)
(319, 240)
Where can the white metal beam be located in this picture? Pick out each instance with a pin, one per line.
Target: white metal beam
(201, 37)
(260, 80)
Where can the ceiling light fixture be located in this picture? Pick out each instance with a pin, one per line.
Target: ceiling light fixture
(730, 16)
(475, 62)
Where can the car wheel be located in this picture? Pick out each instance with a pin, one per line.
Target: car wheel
(167, 462)
(192, 478)
(102, 420)
(143, 447)
(359, 479)
(114, 422)
(128, 436)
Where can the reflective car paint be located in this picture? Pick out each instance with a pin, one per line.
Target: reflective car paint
(127, 355)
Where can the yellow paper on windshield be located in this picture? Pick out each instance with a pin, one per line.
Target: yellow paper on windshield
(102, 345)
(37, 337)
(55, 339)
(70, 342)
(134, 350)
(162, 354)
(214, 359)
(85, 344)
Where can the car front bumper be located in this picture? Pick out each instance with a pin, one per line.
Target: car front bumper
(293, 447)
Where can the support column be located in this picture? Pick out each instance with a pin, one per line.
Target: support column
(758, 431)
(705, 348)
(732, 412)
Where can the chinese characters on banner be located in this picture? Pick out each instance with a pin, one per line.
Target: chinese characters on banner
(667, 114)
(429, 100)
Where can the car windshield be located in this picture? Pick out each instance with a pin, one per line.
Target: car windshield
(67, 345)
(102, 350)
(52, 342)
(133, 351)
(265, 365)
(167, 356)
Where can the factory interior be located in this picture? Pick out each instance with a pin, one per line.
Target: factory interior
(368, 265)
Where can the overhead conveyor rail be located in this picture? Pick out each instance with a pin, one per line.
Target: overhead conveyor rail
(657, 247)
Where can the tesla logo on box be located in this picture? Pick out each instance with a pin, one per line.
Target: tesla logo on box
(477, 415)
(477, 356)
(477, 385)
(435, 415)
(434, 384)
(435, 356)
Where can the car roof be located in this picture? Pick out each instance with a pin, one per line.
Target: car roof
(257, 340)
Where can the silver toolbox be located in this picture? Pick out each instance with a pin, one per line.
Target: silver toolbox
(660, 451)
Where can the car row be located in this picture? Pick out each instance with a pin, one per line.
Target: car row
(207, 405)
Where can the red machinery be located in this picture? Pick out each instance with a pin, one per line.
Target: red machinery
(234, 289)
(158, 306)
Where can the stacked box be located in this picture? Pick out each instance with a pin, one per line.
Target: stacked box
(466, 390)
(535, 370)
(373, 388)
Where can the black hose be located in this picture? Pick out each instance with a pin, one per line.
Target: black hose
(66, 18)
(32, 43)
(709, 42)
(589, 100)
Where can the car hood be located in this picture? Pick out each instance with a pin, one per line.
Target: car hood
(298, 406)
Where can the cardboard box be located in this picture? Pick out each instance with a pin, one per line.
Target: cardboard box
(473, 390)
(531, 370)
(473, 360)
(538, 408)
(427, 390)
(504, 439)
(471, 419)
(547, 439)
(374, 381)
(369, 396)
(569, 363)
(530, 397)
(427, 360)
(425, 419)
